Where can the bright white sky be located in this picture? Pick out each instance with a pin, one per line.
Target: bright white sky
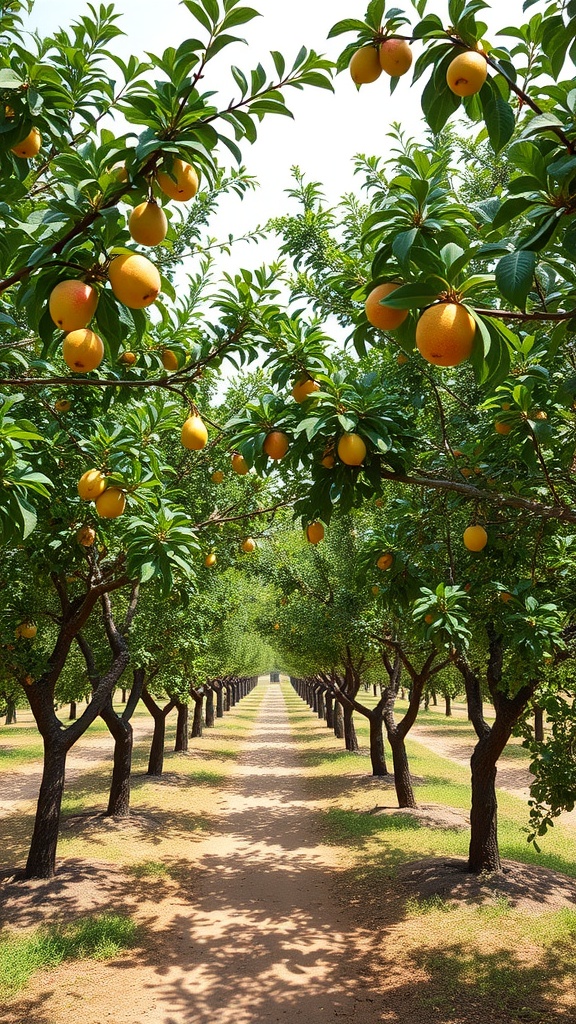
(328, 128)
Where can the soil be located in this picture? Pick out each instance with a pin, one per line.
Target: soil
(256, 922)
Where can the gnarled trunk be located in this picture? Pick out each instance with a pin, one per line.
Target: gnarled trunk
(338, 720)
(41, 861)
(350, 738)
(377, 756)
(402, 777)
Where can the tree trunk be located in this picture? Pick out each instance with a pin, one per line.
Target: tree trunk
(209, 708)
(156, 759)
(350, 738)
(329, 710)
(119, 796)
(448, 700)
(402, 777)
(197, 719)
(181, 741)
(377, 756)
(538, 724)
(124, 694)
(338, 720)
(10, 711)
(220, 702)
(483, 853)
(41, 861)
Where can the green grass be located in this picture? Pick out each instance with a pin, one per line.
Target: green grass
(149, 869)
(96, 938)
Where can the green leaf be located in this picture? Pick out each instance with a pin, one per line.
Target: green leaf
(515, 276)
(347, 25)
(9, 79)
(499, 120)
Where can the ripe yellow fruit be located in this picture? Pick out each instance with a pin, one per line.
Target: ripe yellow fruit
(210, 560)
(445, 334)
(63, 405)
(147, 223)
(385, 560)
(276, 445)
(375, 590)
(502, 428)
(384, 318)
(248, 545)
(27, 629)
(402, 359)
(128, 358)
(239, 464)
(217, 476)
(169, 360)
(30, 146)
(314, 533)
(365, 65)
(111, 503)
(475, 538)
(328, 462)
(91, 484)
(72, 304)
(186, 184)
(429, 618)
(467, 73)
(276, 625)
(83, 350)
(395, 57)
(303, 389)
(351, 449)
(194, 433)
(135, 280)
(86, 536)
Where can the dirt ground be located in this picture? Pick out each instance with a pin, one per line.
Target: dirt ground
(255, 922)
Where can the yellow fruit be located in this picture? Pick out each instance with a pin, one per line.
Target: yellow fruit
(375, 590)
(63, 405)
(467, 73)
(276, 445)
(314, 533)
(276, 625)
(86, 536)
(30, 146)
(303, 389)
(502, 428)
(194, 433)
(135, 280)
(379, 503)
(445, 334)
(395, 57)
(111, 503)
(128, 358)
(27, 629)
(365, 65)
(169, 360)
(239, 464)
(72, 304)
(351, 449)
(91, 484)
(148, 224)
(217, 476)
(505, 596)
(475, 538)
(384, 318)
(505, 406)
(328, 462)
(385, 560)
(82, 350)
(402, 359)
(248, 545)
(210, 560)
(429, 618)
(186, 184)
(466, 471)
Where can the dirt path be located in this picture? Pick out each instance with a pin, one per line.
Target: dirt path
(253, 935)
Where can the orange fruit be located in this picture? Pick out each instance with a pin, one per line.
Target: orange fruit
(466, 471)
(429, 618)
(475, 538)
(385, 560)
(276, 445)
(375, 590)
(82, 350)
(91, 485)
(111, 503)
(402, 359)
(384, 318)
(147, 223)
(217, 476)
(248, 545)
(505, 596)
(351, 449)
(194, 433)
(128, 358)
(303, 389)
(28, 630)
(72, 304)
(239, 464)
(210, 560)
(365, 65)
(395, 57)
(502, 428)
(467, 73)
(328, 462)
(86, 536)
(28, 147)
(169, 359)
(186, 184)
(63, 405)
(314, 533)
(445, 334)
(135, 280)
